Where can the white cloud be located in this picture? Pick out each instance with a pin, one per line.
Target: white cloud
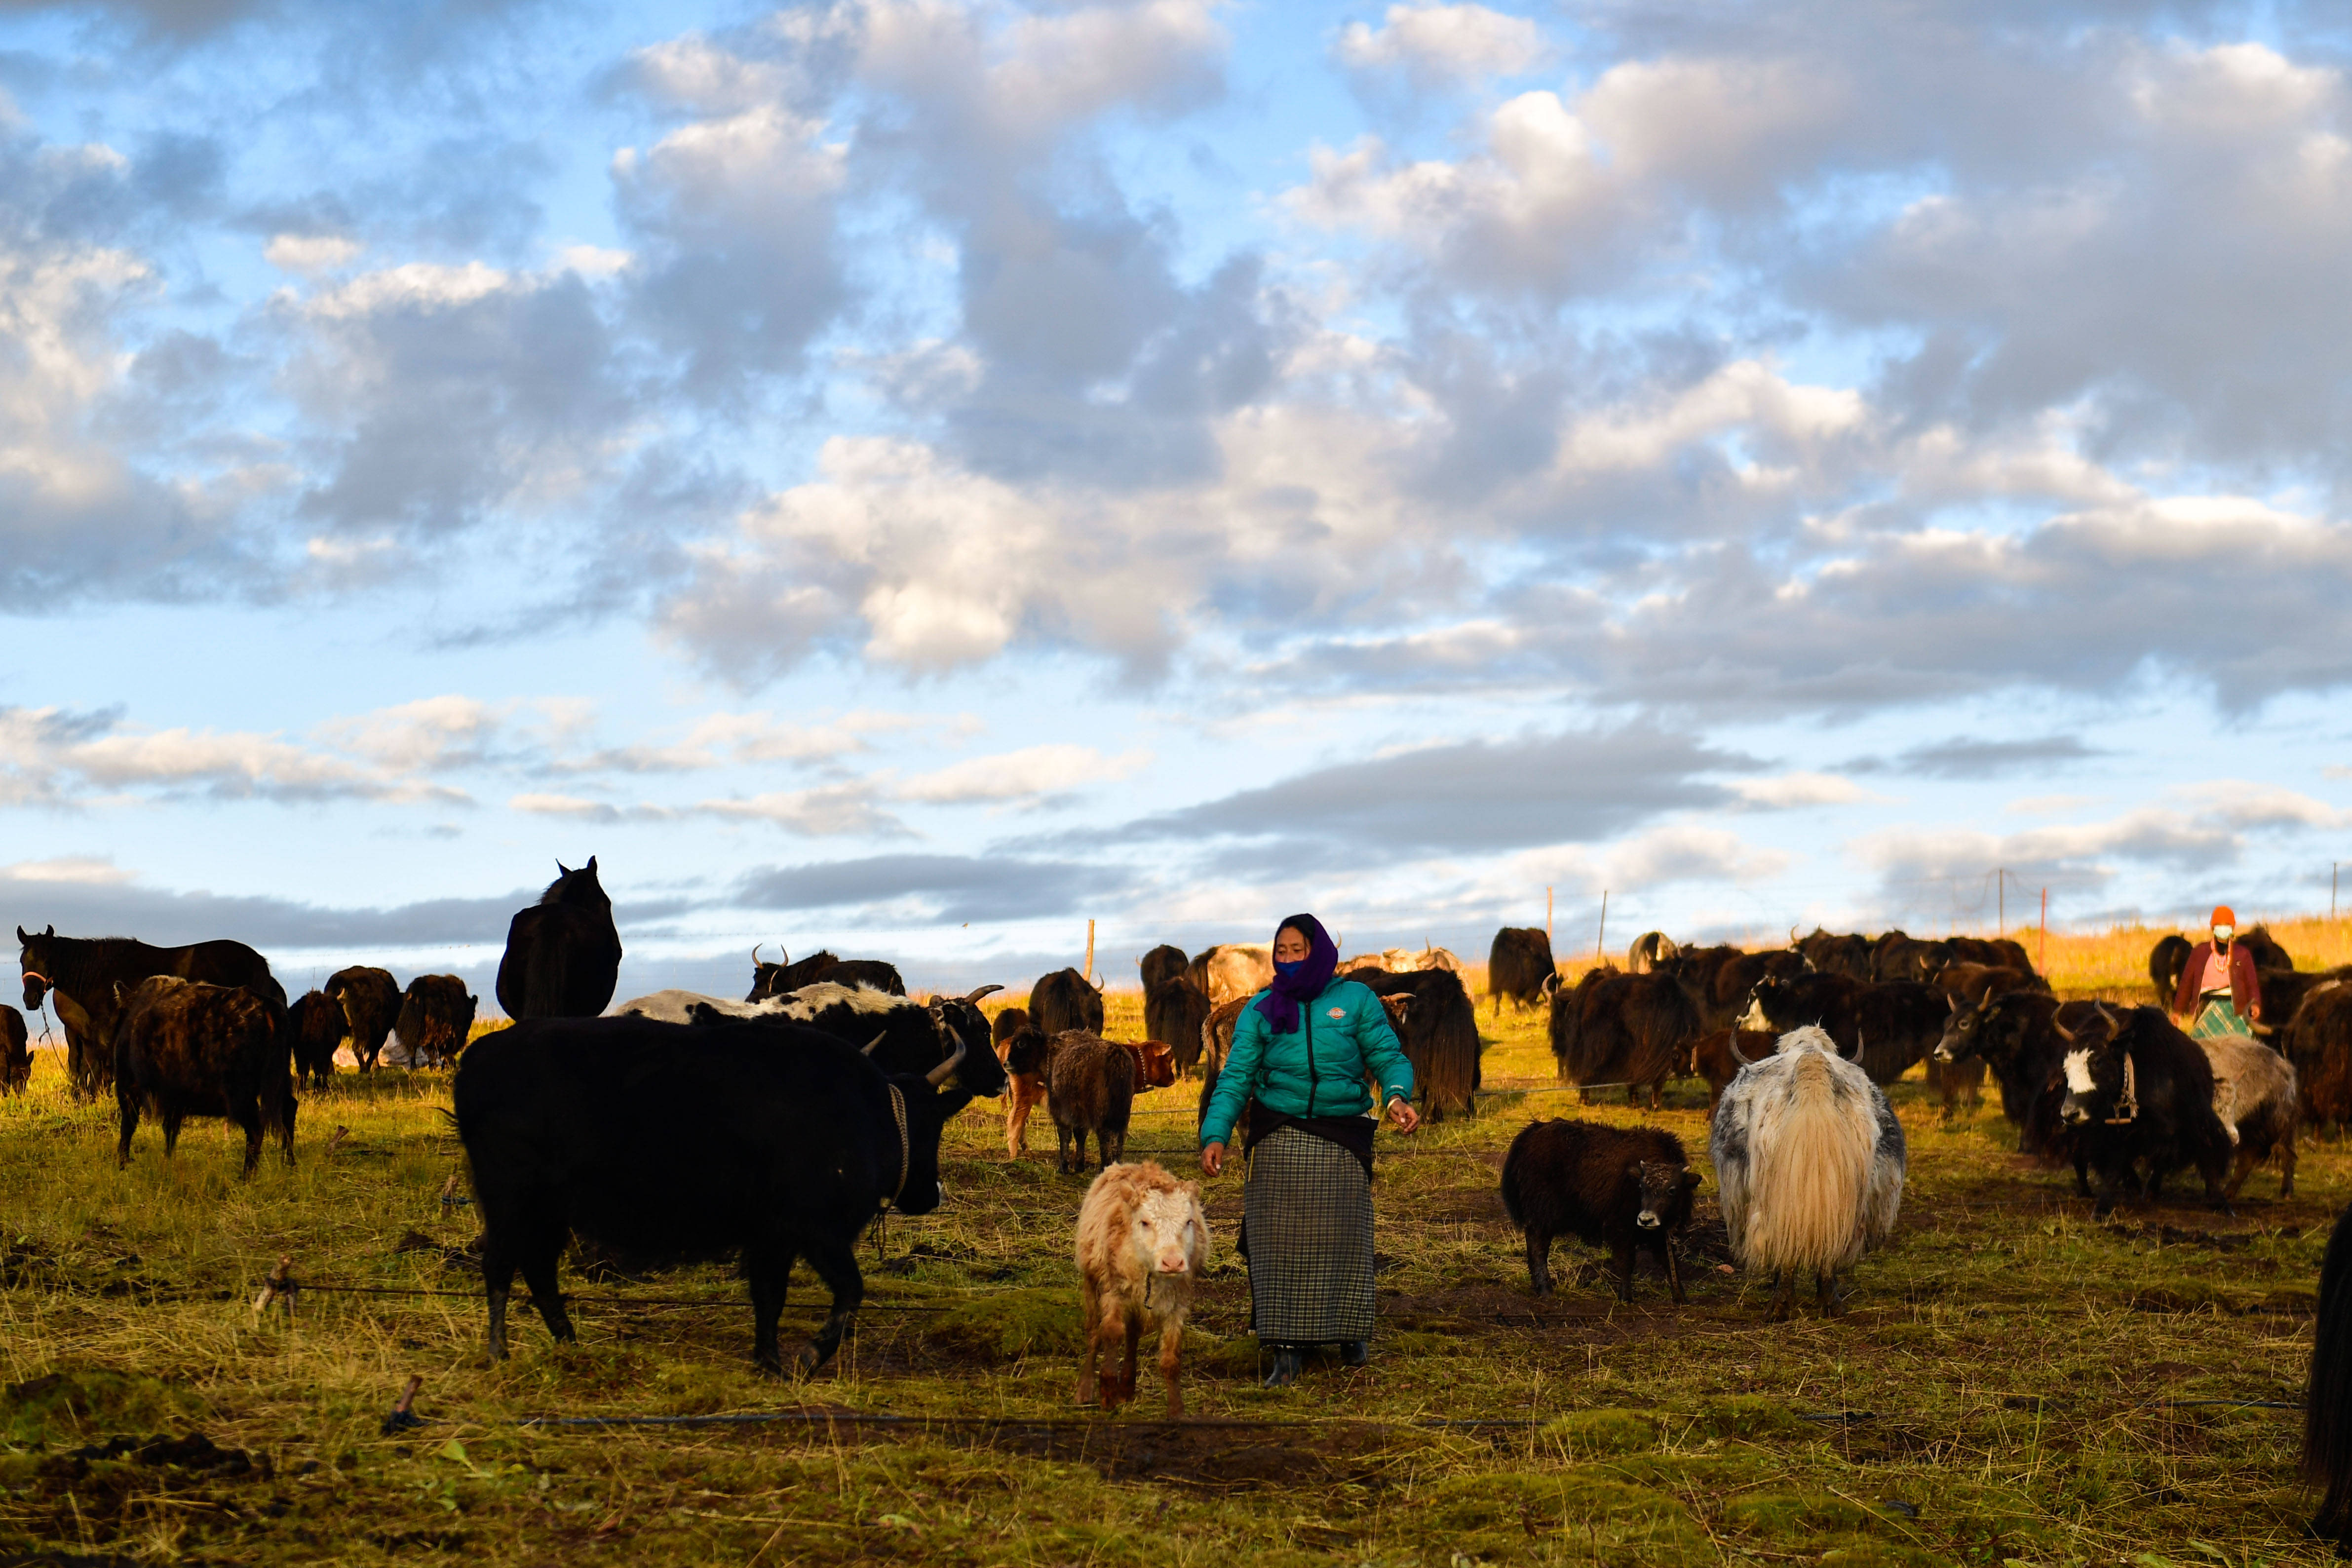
(312, 254)
(1445, 43)
(1789, 791)
(88, 871)
(1026, 774)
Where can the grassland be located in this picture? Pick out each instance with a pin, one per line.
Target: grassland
(2006, 1386)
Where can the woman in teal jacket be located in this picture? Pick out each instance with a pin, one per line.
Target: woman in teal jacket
(1302, 1051)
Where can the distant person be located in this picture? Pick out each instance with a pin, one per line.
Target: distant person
(2220, 991)
(1301, 1052)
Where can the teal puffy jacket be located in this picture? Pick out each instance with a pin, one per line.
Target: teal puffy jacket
(1316, 1070)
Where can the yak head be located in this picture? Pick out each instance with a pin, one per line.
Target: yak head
(1767, 997)
(1665, 1188)
(932, 1101)
(1168, 1233)
(1963, 1031)
(1028, 1051)
(2099, 1073)
(36, 955)
(577, 887)
(964, 1034)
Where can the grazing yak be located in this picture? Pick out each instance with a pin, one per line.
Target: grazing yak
(1643, 956)
(2139, 1098)
(661, 1144)
(1618, 1187)
(436, 1019)
(1810, 1160)
(16, 1056)
(1143, 1241)
(2327, 1397)
(563, 952)
(315, 1026)
(188, 1048)
(371, 1002)
(1439, 1032)
(89, 975)
(1174, 1008)
(1233, 969)
(1089, 1088)
(777, 979)
(1613, 1028)
(1065, 1000)
(1518, 965)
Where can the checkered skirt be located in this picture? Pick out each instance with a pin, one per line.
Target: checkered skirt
(1309, 1211)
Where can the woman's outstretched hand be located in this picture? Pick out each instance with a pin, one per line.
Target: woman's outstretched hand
(1402, 1113)
(1213, 1159)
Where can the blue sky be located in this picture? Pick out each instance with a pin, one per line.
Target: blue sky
(913, 476)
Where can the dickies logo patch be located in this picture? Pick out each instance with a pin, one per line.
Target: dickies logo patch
(1336, 1013)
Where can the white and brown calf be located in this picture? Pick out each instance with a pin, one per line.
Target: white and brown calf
(1142, 1241)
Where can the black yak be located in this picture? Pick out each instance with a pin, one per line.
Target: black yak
(1439, 1033)
(2327, 1397)
(563, 952)
(1089, 1088)
(1518, 965)
(1611, 1028)
(371, 1002)
(436, 1019)
(186, 1047)
(2139, 1097)
(1064, 1000)
(315, 1026)
(1618, 1187)
(1174, 1008)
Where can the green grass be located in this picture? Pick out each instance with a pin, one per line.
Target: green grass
(1994, 1392)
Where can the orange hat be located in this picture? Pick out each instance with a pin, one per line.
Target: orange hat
(2223, 915)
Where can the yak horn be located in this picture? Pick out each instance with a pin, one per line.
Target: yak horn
(877, 1040)
(983, 990)
(946, 1070)
(2063, 1032)
(1743, 1061)
(1860, 1045)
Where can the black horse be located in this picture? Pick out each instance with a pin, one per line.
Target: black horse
(83, 973)
(563, 952)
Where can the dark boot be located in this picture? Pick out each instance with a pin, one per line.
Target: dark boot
(1356, 1353)
(1287, 1363)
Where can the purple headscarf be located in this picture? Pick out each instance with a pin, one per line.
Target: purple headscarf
(1303, 980)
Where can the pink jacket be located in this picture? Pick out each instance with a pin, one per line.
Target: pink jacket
(2245, 989)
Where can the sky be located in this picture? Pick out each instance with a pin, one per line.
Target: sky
(913, 478)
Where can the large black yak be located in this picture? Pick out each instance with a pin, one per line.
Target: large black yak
(1518, 965)
(563, 952)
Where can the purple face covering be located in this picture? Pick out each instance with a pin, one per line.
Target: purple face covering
(1303, 980)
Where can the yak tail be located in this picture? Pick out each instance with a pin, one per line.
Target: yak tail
(2328, 1411)
(1809, 1159)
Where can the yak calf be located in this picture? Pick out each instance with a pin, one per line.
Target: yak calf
(1143, 1239)
(1089, 1088)
(185, 1047)
(1619, 1187)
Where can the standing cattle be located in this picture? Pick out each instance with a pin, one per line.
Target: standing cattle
(1811, 1162)
(2254, 1096)
(1439, 1032)
(1089, 1088)
(1618, 1187)
(314, 1025)
(2140, 1099)
(437, 1018)
(1612, 1027)
(2023, 1037)
(663, 1144)
(2319, 1043)
(1886, 1027)
(1832, 954)
(186, 1047)
(1233, 969)
(2327, 1397)
(563, 952)
(1645, 955)
(903, 1035)
(1174, 1008)
(15, 1058)
(370, 1003)
(1518, 965)
(782, 976)
(87, 975)
(1970, 983)
(1728, 981)
(1718, 1055)
(1143, 1239)
(1064, 1000)
(1027, 1052)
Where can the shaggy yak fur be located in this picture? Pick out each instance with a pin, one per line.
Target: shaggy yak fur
(435, 1018)
(1232, 971)
(1517, 965)
(2319, 1043)
(88, 976)
(1810, 1161)
(1972, 983)
(370, 998)
(188, 1048)
(1089, 1088)
(1615, 1028)
(2327, 1402)
(2254, 1096)
(1217, 1031)
(1439, 1033)
(1174, 1008)
(563, 952)
(1143, 1239)
(1833, 954)
(1618, 1187)
(15, 1058)
(1063, 1002)
(315, 1024)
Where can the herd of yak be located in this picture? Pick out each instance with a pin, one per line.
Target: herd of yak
(684, 1127)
